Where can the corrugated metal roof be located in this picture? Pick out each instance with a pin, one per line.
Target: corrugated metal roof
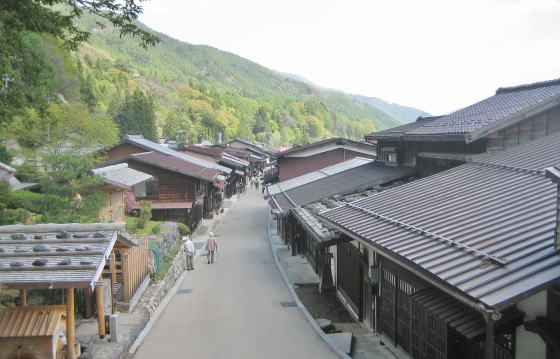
(175, 164)
(33, 255)
(152, 146)
(32, 321)
(344, 182)
(457, 226)
(317, 175)
(121, 176)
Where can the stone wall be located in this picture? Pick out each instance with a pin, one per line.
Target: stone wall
(169, 237)
(155, 293)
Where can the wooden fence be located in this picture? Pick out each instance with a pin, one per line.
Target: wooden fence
(134, 268)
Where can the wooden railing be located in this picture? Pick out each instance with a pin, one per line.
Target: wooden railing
(134, 269)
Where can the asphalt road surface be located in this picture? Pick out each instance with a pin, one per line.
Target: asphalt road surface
(233, 308)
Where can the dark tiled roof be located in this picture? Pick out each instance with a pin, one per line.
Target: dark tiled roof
(341, 183)
(175, 164)
(505, 103)
(400, 130)
(485, 228)
(148, 145)
(337, 140)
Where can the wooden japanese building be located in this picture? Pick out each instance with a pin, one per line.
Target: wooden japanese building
(299, 227)
(513, 116)
(313, 156)
(461, 264)
(239, 167)
(117, 179)
(180, 190)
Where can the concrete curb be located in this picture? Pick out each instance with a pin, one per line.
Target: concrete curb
(300, 305)
(154, 317)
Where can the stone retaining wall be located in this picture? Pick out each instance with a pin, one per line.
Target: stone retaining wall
(155, 293)
(169, 236)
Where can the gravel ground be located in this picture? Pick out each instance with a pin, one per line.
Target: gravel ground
(324, 305)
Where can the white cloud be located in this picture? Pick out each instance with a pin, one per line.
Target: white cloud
(436, 55)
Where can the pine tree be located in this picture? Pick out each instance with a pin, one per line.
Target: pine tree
(137, 116)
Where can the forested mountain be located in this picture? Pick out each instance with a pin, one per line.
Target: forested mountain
(194, 92)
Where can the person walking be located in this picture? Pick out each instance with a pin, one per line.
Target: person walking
(188, 247)
(211, 247)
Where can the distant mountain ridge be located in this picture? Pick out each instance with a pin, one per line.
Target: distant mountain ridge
(405, 114)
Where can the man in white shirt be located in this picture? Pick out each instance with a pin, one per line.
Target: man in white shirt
(188, 247)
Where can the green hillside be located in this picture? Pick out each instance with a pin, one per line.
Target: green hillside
(194, 92)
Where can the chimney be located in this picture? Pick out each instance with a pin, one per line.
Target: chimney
(554, 174)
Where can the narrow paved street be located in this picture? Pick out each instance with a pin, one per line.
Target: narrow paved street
(233, 308)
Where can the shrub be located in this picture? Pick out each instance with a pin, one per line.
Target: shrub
(183, 229)
(28, 173)
(14, 216)
(156, 228)
(145, 214)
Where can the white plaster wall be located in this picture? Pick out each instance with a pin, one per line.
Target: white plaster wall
(332, 249)
(530, 345)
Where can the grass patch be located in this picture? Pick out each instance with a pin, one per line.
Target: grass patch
(141, 232)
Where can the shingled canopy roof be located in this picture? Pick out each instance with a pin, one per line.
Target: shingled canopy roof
(120, 175)
(55, 255)
(483, 230)
(509, 105)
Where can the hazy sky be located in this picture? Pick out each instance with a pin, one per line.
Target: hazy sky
(436, 55)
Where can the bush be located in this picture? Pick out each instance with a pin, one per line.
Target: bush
(183, 229)
(156, 228)
(14, 216)
(145, 214)
(28, 173)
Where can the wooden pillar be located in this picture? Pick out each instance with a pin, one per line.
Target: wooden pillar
(490, 324)
(100, 308)
(113, 269)
(23, 297)
(126, 276)
(70, 333)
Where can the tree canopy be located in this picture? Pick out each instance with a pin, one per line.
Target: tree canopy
(26, 77)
